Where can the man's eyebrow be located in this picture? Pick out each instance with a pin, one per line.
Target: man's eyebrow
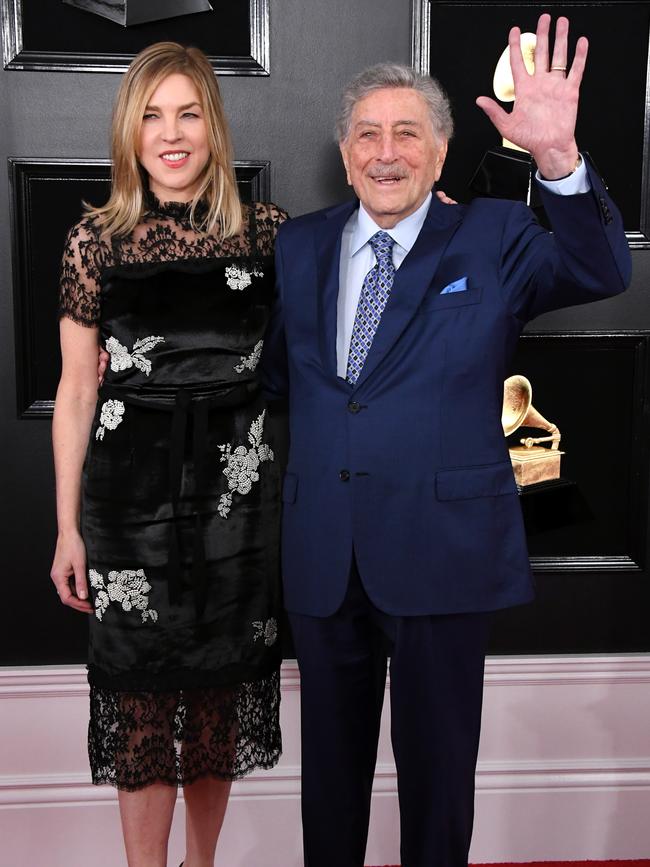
(364, 122)
(180, 107)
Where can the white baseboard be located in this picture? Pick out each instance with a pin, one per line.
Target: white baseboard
(68, 790)
(564, 771)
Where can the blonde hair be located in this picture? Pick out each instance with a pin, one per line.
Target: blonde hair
(218, 186)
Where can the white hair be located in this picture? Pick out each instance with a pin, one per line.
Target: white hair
(387, 75)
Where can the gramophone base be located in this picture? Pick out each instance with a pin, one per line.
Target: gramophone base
(506, 173)
(553, 505)
(535, 465)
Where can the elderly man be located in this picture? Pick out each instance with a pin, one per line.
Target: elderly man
(397, 319)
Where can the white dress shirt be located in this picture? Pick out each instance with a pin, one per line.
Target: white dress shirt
(357, 257)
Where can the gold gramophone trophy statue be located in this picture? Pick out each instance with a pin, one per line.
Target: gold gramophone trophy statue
(507, 172)
(532, 462)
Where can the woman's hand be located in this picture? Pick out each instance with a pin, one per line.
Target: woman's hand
(102, 364)
(69, 571)
(445, 199)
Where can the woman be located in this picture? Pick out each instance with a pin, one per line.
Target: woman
(167, 489)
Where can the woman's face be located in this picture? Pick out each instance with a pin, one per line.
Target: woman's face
(173, 147)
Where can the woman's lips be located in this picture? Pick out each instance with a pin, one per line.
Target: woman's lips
(175, 159)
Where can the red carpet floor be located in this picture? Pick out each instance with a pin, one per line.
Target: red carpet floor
(642, 863)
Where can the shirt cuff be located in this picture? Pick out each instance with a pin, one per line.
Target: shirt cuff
(577, 182)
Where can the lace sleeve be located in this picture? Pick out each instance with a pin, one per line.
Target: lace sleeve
(269, 218)
(84, 258)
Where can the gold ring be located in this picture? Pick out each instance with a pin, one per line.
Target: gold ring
(558, 68)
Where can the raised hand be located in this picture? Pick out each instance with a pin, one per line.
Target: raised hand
(543, 118)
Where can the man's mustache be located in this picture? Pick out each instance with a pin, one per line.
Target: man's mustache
(392, 171)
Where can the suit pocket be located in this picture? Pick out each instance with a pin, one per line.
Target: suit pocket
(466, 483)
(289, 488)
(452, 299)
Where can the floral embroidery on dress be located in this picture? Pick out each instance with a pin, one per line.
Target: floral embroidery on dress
(111, 416)
(268, 631)
(122, 359)
(250, 361)
(242, 464)
(239, 278)
(129, 588)
(165, 234)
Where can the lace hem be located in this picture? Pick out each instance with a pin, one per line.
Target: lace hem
(87, 322)
(177, 738)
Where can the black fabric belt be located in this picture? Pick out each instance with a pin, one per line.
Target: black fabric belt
(181, 404)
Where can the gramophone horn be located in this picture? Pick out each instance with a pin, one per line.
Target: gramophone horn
(503, 84)
(517, 398)
(518, 411)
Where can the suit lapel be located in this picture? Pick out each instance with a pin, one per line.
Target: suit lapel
(328, 246)
(412, 280)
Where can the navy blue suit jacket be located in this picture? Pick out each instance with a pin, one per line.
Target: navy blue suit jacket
(410, 466)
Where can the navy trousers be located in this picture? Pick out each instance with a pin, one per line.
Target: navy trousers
(436, 689)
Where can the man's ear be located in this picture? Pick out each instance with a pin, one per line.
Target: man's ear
(346, 161)
(440, 159)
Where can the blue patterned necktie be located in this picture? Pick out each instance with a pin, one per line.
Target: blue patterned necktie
(374, 294)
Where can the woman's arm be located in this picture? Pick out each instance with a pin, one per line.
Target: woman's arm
(76, 398)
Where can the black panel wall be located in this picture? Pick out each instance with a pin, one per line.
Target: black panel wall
(286, 118)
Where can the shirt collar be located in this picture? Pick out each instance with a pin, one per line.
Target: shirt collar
(404, 233)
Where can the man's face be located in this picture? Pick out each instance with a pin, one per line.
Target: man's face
(391, 155)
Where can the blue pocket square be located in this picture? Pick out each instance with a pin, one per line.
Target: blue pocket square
(456, 286)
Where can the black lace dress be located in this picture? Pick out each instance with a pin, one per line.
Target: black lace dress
(180, 499)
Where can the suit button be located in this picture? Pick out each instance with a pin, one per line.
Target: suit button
(354, 406)
(344, 475)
